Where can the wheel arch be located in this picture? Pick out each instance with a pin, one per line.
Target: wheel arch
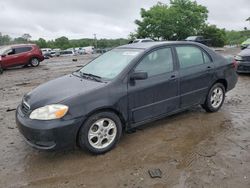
(32, 57)
(223, 82)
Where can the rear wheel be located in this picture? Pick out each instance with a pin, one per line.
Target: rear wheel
(215, 98)
(100, 133)
(34, 62)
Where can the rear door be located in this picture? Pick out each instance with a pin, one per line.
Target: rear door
(158, 94)
(196, 74)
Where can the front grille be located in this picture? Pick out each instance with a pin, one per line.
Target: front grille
(246, 58)
(243, 68)
(25, 108)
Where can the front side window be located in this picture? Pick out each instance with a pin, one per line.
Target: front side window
(111, 63)
(22, 50)
(189, 56)
(157, 62)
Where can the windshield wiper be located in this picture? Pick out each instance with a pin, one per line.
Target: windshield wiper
(91, 76)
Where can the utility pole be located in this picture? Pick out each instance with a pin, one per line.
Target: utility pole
(95, 41)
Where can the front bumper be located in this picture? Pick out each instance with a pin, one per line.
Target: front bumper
(48, 135)
(243, 67)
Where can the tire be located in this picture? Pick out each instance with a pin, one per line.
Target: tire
(100, 133)
(34, 62)
(215, 98)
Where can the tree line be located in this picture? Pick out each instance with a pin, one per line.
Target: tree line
(180, 19)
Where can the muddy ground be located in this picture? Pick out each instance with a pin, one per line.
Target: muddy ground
(192, 149)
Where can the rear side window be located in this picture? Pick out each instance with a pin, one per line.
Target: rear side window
(157, 62)
(189, 56)
(206, 58)
(22, 50)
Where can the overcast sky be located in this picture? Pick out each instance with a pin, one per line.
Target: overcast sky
(107, 18)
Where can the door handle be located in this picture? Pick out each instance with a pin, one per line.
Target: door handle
(209, 68)
(173, 77)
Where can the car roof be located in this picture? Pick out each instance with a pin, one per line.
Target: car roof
(18, 45)
(148, 45)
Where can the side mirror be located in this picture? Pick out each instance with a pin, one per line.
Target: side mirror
(3, 55)
(139, 76)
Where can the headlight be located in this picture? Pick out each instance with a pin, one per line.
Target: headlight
(238, 58)
(49, 112)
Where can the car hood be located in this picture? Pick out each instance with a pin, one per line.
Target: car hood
(245, 52)
(58, 90)
(246, 42)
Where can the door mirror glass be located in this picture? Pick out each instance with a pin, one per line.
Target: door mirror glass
(139, 76)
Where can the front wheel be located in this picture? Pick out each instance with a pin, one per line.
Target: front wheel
(34, 62)
(215, 98)
(100, 133)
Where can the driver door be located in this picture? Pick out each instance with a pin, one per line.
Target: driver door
(10, 59)
(158, 94)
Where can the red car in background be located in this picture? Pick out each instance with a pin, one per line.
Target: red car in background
(21, 54)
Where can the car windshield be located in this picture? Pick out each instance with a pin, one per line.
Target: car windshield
(3, 50)
(110, 64)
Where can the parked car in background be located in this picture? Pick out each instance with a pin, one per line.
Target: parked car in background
(80, 51)
(102, 50)
(141, 40)
(243, 59)
(46, 52)
(20, 54)
(65, 53)
(245, 44)
(199, 39)
(122, 89)
(88, 49)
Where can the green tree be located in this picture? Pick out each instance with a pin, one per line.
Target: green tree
(62, 42)
(26, 36)
(41, 43)
(20, 40)
(177, 21)
(4, 39)
(217, 36)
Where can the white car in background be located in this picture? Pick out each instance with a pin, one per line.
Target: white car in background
(68, 52)
(80, 51)
(88, 49)
(142, 40)
(46, 52)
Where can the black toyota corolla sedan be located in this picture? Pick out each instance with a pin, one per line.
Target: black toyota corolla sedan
(120, 90)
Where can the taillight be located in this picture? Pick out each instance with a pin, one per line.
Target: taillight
(235, 64)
